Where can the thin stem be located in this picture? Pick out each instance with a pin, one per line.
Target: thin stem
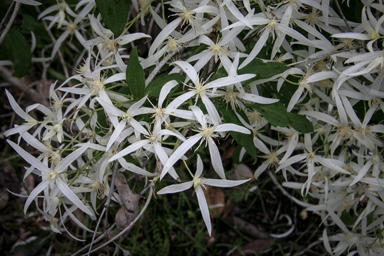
(106, 205)
(324, 55)
(10, 22)
(162, 63)
(97, 240)
(342, 15)
(6, 15)
(130, 225)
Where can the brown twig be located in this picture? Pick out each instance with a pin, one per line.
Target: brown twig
(162, 63)
(130, 225)
(106, 205)
(10, 22)
(324, 55)
(342, 15)
(32, 94)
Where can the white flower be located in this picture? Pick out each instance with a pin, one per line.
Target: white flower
(30, 121)
(198, 183)
(52, 177)
(206, 132)
(202, 90)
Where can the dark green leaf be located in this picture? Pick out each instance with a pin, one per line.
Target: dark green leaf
(236, 154)
(245, 140)
(219, 74)
(17, 50)
(155, 86)
(276, 113)
(114, 14)
(300, 123)
(135, 76)
(262, 70)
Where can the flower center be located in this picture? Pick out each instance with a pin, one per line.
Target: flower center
(72, 27)
(52, 175)
(198, 182)
(207, 132)
(200, 89)
(373, 35)
(97, 86)
(109, 45)
(127, 116)
(172, 44)
(231, 97)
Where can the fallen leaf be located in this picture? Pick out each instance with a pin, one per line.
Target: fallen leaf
(215, 199)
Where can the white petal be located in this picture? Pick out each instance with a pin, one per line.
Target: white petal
(200, 167)
(133, 168)
(229, 80)
(175, 188)
(17, 108)
(178, 154)
(189, 70)
(71, 196)
(199, 115)
(28, 157)
(62, 166)
(133, 147)
(216, 158)
(232, 127)
(165, 90)
(224, 183)
(118, 129)
(204, 208)
(35, 192)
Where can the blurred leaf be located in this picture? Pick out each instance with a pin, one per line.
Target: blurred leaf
(245, 140)
(300, 123)
(135, 76)
(262, 70)
(276, 113)
(17, 50)
(56, 75)
(114, 14)
(155, 86)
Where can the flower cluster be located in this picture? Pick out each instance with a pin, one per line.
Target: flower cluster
(298, 70)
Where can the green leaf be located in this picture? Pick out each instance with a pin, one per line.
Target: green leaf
(135, 76)
(155, 86)
(17, 50)
(114, 14)
(245, 140)
(276, 113)
(262, 70)
(300, 123)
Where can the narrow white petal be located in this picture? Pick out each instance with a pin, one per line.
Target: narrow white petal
(189, 70)
(71, 196)
(175, 188)
(200, 167)
(199, 115)
(257, 98)
(224, 183)
(204, 208)
(229, 80)
(17, 108)
(35, 192)
(216, 158)
(133, 147)
(118, 129)
(178, 154)
(62, 166)
(133, 168)
(232, 127)
(212, 111)
(28, 157)
(165, 90)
